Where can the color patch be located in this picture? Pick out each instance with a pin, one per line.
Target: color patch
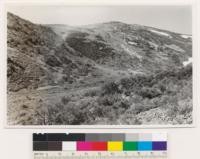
(40, 137)
(84, 146)
(132, 137)
(65, 137)
(55, 146)
(130, 146)
(159, 137)
(115, 146)
(105, 137)
(69, 146)
(145, 137)
(145, 146)
(40, 146)
(92, 137)
(99, 146)
(159, 146)
(117, 137)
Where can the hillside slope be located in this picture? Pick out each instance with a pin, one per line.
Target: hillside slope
(58, 74)
(123, 46)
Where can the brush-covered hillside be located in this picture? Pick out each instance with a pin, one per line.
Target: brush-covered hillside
(105, 74)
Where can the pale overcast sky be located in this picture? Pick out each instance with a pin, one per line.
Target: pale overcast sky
(173, 18)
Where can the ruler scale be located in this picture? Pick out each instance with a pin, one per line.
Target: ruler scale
(100, 146)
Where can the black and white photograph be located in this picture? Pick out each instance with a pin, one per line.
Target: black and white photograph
(99, 65)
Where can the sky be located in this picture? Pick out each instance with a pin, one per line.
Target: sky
(173, 18)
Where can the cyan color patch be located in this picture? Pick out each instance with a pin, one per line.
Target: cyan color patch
(145, 146)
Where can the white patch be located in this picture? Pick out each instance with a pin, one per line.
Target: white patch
(100, 48)
(132, 43)
(132, 53)
(161, 33)
(125, 97)
(185, 63)
(46, 87)
(186, 36)
(175, 47)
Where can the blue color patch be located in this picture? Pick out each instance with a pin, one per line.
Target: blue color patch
(145, 146)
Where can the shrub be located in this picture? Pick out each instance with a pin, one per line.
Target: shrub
(110, 88)
(92, 93)
(65, 100)
(107, 100)
(150, 93)
(52, 61)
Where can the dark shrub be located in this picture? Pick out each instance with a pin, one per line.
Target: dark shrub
(110, 88)
(65, 100)
(146, 92)
(52, 61)
(92, 93)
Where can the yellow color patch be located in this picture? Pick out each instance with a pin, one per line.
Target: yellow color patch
(115, 146)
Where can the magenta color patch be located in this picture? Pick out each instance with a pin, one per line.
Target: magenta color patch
(84, 146)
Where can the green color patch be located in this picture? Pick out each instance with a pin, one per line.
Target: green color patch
(130, 146)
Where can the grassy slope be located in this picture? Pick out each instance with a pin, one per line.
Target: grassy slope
(165, 98)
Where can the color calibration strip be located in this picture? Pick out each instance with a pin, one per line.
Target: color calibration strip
(100, 142)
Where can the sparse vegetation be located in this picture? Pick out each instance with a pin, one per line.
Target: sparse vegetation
(112, 104)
